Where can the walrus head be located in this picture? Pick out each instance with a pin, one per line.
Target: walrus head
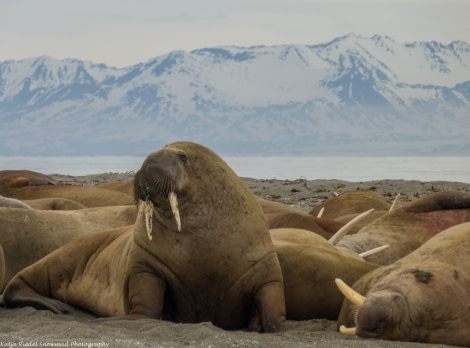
(157, 183)
(386, 313)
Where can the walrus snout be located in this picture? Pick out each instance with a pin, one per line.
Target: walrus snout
(156, 184)
(380, 314)
(374, 315)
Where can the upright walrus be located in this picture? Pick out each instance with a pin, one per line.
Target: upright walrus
(200, 250)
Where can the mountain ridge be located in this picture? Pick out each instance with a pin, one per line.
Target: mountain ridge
(352, 95)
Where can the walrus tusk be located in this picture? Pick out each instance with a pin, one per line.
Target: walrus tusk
(395, 203)
(320, 213)
(346, 228)
(350, 293)
(174, 208)
(373, 251)
(347, 330)
(148, 206)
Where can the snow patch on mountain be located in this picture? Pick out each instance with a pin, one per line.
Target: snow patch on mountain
(350, 95)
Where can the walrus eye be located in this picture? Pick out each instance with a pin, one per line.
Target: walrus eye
(182, 157)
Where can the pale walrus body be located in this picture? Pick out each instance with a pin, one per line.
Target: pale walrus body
(422, 297)
(211, 259)
(13, 203)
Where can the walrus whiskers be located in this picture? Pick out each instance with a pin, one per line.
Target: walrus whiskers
(174, 208)
(346, 228)
(350, 293)
(373, 251)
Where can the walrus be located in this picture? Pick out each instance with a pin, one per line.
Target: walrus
(408, 227)
(351, 202)
(200, 250)
(423, 297)
(13, 203)
(27, 235)
(321, 226)
(29, 185)
(309, 266)
(11, 179)
(54, 203)
(270, 207)
(308, 262)
(41, 203)
(126, 187)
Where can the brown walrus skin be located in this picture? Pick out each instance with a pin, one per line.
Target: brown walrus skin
(220, 267)
(11, 179)
(310, 291)
(351, 202)
(423, 297)
(309, 266)
(29, 185)
(408, 227)
(321, 226)
(28, 235)
(54, 203)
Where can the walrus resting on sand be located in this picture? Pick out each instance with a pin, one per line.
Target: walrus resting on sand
(309, 266)
(422, 297)
(200, 250)
(408, 227)
(29, 185)
(351, 202)
(28, 235)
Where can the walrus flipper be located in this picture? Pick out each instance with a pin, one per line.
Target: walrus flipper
(19, 294)
(266, 316)
(146, 294)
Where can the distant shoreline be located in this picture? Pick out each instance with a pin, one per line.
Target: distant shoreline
(346, 168)
(301, 193)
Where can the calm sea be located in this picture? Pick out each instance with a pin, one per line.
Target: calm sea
(343, 168)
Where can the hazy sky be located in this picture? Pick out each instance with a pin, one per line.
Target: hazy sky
(125, 32)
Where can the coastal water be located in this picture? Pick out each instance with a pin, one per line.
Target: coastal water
(342, 168)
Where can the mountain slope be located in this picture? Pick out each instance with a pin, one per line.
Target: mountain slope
(353, 95)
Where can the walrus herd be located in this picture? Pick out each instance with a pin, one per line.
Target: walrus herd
(187, 241)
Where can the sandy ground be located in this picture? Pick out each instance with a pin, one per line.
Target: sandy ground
(35, 328)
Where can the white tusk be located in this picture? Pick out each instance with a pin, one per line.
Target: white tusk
(350, 293)
(395, 203)
(148, 206)
(373, 251)
(346, 228)
(347, 330)
(174, 208)
(320, 213)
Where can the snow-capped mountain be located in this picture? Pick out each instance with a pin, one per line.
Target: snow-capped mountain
(353, 95)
